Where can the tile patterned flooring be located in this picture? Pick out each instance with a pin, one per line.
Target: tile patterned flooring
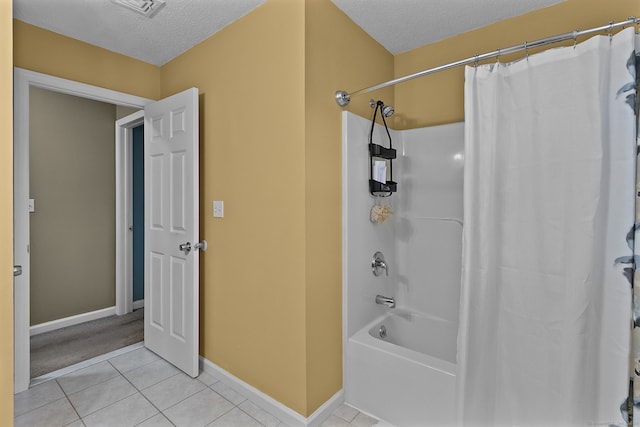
(138, 388)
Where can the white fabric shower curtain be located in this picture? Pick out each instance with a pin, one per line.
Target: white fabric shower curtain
(548, 205)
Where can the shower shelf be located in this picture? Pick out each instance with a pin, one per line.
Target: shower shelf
(382, 152)
(379, 187)
(377, 151)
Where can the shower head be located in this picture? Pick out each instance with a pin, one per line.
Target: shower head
(386, 110)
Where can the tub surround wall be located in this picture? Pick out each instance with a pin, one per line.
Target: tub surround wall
(429, 221)
(422, 243)
(361, 237)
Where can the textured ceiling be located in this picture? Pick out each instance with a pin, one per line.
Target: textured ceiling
(398, 25)
(176, 28)
(402, 25)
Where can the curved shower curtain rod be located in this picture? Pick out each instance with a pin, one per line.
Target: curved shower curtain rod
(343, 98)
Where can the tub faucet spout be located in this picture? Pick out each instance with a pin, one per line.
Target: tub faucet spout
(388, 301)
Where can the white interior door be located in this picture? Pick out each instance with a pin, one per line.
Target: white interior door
(171, 206)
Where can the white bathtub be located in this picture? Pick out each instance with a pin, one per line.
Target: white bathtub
(407, 379)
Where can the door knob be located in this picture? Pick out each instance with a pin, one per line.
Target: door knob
(186, 247)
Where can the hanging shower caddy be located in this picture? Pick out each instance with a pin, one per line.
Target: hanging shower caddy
(379, 153)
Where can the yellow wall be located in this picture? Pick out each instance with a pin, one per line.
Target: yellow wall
(6, 215)
(339, 55)
(270, 148)
(251, 81)
(51, 53)
(438, 98)
(75, 203)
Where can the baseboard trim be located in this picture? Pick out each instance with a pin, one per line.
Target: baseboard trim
(269, 404)
(138, 304)
(71, 320)
(326, 409)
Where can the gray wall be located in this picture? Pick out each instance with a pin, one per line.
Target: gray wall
(72, 179)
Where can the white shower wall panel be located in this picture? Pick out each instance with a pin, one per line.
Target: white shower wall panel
(431, 171)
(429, 279)
(362, 238)
(422, 245)
(429, 220)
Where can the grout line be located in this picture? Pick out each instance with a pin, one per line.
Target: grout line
(137, 367)
(145, 398)
(138, 391)
(41, 406)
(100, 409)
(155, 415)
(66, 396)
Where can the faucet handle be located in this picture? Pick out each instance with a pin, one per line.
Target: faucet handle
(378, 264)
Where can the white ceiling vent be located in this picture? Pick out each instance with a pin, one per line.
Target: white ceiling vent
(147, 8)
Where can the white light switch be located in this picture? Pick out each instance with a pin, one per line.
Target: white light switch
(218, 209)
(32, 205)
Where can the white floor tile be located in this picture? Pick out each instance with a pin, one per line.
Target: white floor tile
(172, 390)
(199, 409)
(77, 423)
(36, 397)
(101, 395)
(259, 414)
(156, 421)
(79, 380)
(151, 374)
(228, 393)
(346, 412)
(362, 420)
(207, 379)
(134, 359)
(124, 413)
(334, 421)
(58, 413)
(235, 418)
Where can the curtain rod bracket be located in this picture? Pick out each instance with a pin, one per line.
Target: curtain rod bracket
(342, 98)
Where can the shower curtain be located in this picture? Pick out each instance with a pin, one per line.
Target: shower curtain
(550, 150)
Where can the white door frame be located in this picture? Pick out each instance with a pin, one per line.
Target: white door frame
(23, 80)
(124, 210)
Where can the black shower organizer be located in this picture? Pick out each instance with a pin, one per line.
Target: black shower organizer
(377, 151)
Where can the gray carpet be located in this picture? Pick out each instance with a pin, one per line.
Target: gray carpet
(64, 347)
